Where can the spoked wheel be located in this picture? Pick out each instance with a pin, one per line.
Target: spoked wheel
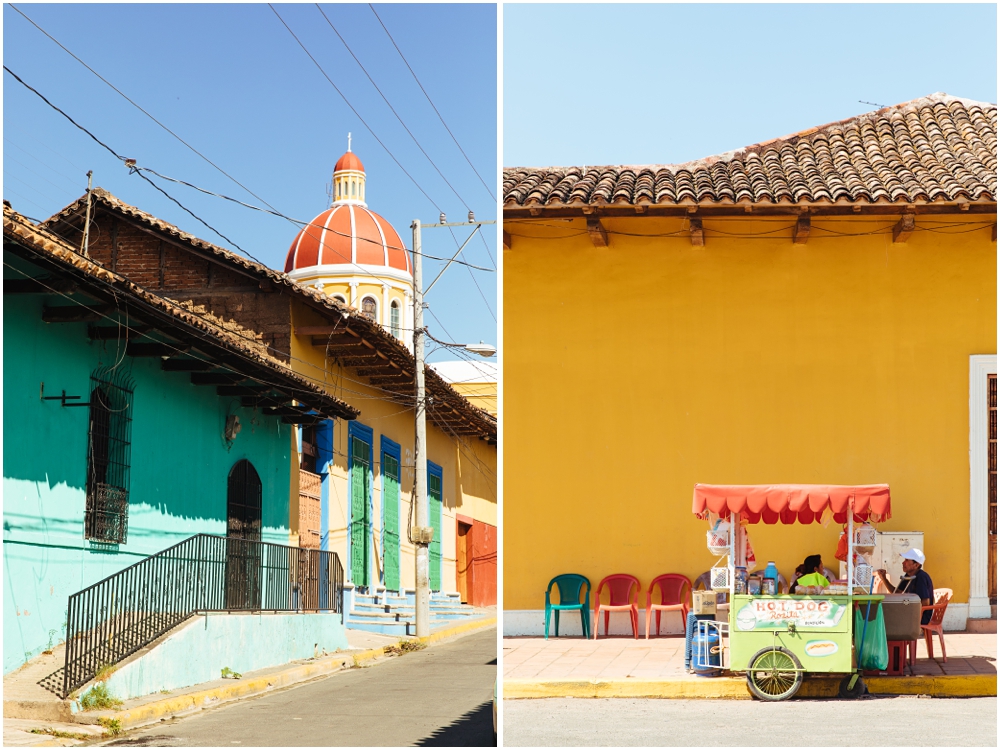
(847, 692)
(775, 674)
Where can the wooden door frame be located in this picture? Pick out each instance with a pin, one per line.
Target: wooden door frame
(980, 367)
(461, 521)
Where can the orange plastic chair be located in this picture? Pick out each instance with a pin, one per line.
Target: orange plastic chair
(624, 593)
(675, 595)
(941, 599)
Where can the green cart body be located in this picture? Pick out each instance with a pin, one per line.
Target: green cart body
(817, 629)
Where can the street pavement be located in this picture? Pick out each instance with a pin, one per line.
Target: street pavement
(899, 721)
(441, 696)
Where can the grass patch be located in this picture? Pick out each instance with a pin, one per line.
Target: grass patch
(112, 727)
(404, 647)
(62, 735)
(104, 672)
(228, 674)
(99, 698)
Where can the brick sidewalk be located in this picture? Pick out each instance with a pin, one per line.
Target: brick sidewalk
(623, 657)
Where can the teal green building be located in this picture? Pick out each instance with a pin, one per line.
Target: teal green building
(127, 429)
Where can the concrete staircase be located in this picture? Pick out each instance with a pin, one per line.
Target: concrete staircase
(393, 614)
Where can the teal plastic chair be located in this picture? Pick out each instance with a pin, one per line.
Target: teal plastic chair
(569, 586)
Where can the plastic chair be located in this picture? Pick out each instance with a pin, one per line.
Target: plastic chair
(675, 593)
(704, 581)
(941, 599)
(569, 586)
(624, 592)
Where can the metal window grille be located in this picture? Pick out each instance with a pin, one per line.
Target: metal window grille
(369, 308)
(109, 456)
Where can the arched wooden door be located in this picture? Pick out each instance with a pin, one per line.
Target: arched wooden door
(243, 549)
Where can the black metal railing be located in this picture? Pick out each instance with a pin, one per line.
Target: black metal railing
(116, 617)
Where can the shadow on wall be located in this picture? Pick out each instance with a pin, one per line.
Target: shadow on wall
(473, 729)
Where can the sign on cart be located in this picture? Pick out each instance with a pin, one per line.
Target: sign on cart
(764, 614)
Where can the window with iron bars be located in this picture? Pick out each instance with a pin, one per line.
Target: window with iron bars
(108, 456)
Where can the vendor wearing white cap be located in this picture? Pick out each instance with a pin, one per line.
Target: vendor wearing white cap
(914, 581)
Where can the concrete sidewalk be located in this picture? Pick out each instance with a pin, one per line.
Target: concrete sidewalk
(26, 705)
(621, 666)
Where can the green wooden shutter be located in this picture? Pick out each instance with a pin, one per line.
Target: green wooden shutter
(434, 484)
(390, 514)
(360, 461)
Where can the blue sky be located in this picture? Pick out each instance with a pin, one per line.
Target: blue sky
(647, 84)
(232, 82)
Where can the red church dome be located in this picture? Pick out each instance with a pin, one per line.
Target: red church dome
(348, 233)
(349, 161)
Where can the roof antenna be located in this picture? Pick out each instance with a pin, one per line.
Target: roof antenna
(880, 106)
(86, 226)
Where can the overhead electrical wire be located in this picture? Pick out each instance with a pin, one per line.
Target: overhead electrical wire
(272, 211)
(130, 101)
(391, 108)
(135, 169)
(355, 111)
(408, 67)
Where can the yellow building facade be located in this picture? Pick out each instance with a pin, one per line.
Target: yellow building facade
(695, 324)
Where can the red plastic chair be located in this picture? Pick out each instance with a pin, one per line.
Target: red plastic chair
(675, 593)
(941, 599)
(623, 590)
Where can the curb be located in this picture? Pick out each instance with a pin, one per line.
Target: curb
(735, 688)
(153, 712)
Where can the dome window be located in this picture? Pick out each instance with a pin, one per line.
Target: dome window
(369, 308)
(394, 319)
(340, 298)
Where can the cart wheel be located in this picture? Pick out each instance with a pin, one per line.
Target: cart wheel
(775, 674)
(857, 691)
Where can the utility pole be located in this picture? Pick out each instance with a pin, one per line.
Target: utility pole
(421, 537)
(422, 533)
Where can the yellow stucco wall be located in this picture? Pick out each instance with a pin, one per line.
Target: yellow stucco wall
(632, 372)
(469, 465)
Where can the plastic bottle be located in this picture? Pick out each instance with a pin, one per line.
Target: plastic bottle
(770, 583)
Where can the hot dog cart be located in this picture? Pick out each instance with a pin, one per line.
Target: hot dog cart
(776, 639)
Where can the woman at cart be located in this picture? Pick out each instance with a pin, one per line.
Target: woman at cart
(812, 566)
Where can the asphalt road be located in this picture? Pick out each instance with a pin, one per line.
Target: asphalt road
(901, 721)
(441, 696)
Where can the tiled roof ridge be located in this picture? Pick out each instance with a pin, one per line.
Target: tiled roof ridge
(371, 329)
(40, 238)
(757, 148)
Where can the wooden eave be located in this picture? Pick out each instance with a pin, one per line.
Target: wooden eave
(168, 335)
(557, 210)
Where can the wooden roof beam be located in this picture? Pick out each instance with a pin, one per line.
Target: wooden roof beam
(801, 233)
(904, 227)
(74, 313)
(697, 233)
(154, 349)
(598, 234)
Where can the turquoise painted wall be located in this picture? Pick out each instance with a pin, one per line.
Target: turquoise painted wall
(179, 467)
(197, 652)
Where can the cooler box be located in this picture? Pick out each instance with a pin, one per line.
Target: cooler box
(902, 617)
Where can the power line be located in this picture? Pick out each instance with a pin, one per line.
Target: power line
(130, 101)
(403, 58)
(356, 113)
(124, 160)
(392, 109)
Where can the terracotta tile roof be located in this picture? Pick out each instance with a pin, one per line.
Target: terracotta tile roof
(441, 392)
(937, 148)
(58, 254)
